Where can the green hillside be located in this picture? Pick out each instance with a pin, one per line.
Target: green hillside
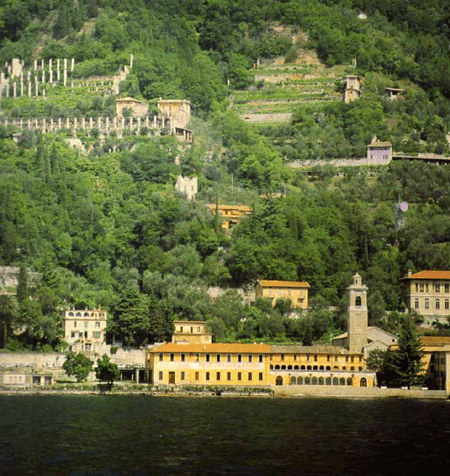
(103, 225)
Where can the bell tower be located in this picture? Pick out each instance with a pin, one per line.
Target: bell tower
(357, 315)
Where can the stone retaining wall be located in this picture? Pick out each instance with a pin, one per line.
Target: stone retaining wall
(355, 392)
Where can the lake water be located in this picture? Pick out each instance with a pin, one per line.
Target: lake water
(139, 435)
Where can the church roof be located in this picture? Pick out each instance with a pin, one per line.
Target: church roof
(311, 349)
(435, 341)
(267, 283)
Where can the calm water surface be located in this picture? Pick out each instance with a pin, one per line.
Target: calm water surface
(121, 435)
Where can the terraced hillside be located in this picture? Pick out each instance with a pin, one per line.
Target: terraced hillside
(279, 88)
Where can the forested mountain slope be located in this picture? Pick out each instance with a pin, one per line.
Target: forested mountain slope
(106, 228)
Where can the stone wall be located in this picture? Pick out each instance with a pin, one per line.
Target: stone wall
(354, 392)
(51, 360)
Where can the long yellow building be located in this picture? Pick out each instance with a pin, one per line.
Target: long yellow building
(257, 365)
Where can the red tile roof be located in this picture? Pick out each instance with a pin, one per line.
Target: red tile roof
(266, 283)
(214, 348)
(429, 274)
(435, 341)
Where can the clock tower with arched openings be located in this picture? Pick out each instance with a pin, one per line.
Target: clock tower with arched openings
(357, 315)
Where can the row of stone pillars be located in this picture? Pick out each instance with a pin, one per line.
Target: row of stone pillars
(40, 76)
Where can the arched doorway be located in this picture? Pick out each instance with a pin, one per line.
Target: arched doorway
(279, 380)
(363, 382)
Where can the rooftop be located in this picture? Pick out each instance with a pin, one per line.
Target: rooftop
(266, 283)
(215, 348)
(429, 274)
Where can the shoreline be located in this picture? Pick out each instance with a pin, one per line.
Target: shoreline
(279, 395)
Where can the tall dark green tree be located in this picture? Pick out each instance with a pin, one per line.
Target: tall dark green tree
(407, 359)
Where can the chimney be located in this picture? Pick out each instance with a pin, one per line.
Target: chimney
(409, 272)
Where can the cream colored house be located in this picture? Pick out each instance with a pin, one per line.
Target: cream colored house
(85, 329)
(136, 107)
(428, 293)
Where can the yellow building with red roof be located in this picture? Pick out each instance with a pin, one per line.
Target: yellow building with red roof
(296, 291)
(427, 292)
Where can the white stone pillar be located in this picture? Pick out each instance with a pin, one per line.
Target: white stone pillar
(75, 124)
(65, 72)
(59, 123)
(29, 123)
(67, 123)
(139, 124)
(7, 88)
(131, 60)
(51, 124)
(83, 125)
(146, 122)
(72, 65)
(131, 123)
(44, 93)
(14, 89)
(29, 87)
(50, 70)
(35, 65)
(42, 65)
(21, 84)
(43, 75)
(90, 123)
(37, 86)
(58, 70)
(44, 126)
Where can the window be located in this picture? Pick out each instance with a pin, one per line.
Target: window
(228, 375)
(218, 357)
(250, 358)
(260, 376)
(86, 324)
(437, 288)
(328, 358)
(437, 304)
(421, 286)
(75, 324)
(446, 304)
(207, 375)
(197, 375)
(250, 376)
(96, 335)
(182, 377)
(207, 357)
(183, 357)
(427, 304)
(197, 357)
(229, 358)
(358, 301)
(426, 287)
(335, 358)
(172, 357)
(261, 358)
(446, 288)
(160, 376)
(307, 357)
(416, 303)
(73, 334)
(315, 358)
(282, 356)
(239, 376)
(218, 376)
(417, 287)
(239, 358)
(161, 357)
(97, 325)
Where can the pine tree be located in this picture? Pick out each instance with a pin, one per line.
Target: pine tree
(407, 359)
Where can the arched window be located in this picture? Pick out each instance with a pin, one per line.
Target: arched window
(271, 367)
(295, 367)
(363, 382)
(328, 381)
(71, 314)
(315, 367)
(358, 301)
(321, 381)
(279, 380)
(350, 382)
(335, 367)
(283, 367)
(78, 314)
(293, 381)
(277, 367)
(314, 381)
(328, 367)
(289, 367)
(86, 314)
(342, 381)
(302, 367)
(300, 381)
(321, 367)
(335, 381)
(308, 367)
(307, 381)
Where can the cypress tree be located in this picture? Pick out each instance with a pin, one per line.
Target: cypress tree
(407, 359)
